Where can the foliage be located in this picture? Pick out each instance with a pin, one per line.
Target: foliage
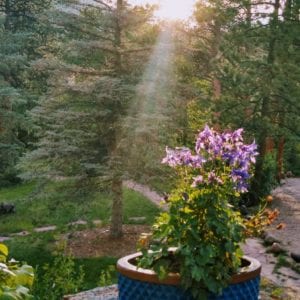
(15, 279)
(37, 249)
(263, 217)
(106, 276)
(59, 278)
(236, 49)
(79, 121)
(269, 169)
(22, 34)
(292, 158)
(201, 222)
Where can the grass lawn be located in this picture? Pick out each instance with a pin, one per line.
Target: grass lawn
(57, 204)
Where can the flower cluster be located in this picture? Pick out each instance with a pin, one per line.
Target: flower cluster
(217, 157)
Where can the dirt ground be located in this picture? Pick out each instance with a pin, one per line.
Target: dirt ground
(97, 242)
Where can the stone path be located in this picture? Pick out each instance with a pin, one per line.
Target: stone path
(103, 293)
(283, 277)
(153, 196)
(287, 200)
(47, 229)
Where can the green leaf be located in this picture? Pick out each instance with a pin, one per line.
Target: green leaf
(3, 249)
(8, 296)
(25, 276)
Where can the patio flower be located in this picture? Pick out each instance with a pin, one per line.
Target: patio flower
(202, 222)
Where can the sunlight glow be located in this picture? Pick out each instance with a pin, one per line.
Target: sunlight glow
(170, 9)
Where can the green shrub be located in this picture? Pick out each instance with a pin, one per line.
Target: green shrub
(107, 275)
(269, 174)
(15, 279)
(59, 278)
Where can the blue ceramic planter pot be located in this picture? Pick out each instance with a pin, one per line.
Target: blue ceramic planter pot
(143, 284)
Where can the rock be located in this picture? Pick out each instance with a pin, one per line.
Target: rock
(281, 226)
(79, 222)
(295, 257)
(103, 293)
(276, 249)
(137, 219)
(44, 229)
(4, 238)
(7, 208)
(270, 239)
(97, 222)
(22, 233)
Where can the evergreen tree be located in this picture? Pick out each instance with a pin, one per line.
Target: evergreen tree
(256, 78)
(92, 82)
(21, 34)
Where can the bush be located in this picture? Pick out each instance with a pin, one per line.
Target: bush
(269, 174)
(59, 278)
(15, 279)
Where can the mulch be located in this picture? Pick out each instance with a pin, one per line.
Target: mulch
(97, 242)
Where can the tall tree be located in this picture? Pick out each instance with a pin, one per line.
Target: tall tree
(92, 82)
(21, 34)
(254, 72)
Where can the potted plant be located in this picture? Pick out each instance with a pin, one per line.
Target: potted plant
(194, 250)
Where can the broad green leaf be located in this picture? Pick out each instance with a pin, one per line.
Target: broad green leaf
(25, 276)
(3, 249)
(9, 296)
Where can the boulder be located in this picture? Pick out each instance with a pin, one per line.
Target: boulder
(295, 257)
(7, 208)
(276, 249)
(270, 239)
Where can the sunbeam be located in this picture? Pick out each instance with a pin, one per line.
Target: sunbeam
(170, 9)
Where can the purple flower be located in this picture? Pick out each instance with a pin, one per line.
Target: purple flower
(237, 175)
(182, 157)
(203, 139)
(224, 154)
(241, 187)
(237, 135)
(213, 178)
(197, 180)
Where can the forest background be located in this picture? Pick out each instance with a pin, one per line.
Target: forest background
(94, 90)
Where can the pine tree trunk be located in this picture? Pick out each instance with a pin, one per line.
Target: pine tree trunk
(116, 227)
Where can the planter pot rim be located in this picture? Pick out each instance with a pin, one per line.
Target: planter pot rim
(128, 269)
